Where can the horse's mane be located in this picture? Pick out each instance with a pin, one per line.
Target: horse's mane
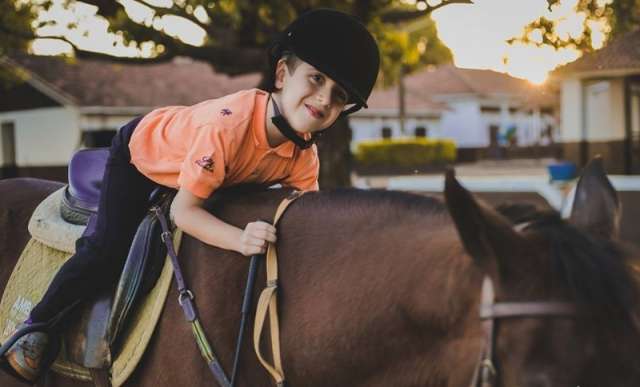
(597, 271)
(377, 201)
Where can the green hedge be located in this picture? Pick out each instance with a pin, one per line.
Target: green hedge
(406, 152)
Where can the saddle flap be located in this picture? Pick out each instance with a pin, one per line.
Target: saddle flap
(98, 333)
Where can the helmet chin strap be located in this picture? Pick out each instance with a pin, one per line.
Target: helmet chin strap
(283, 126)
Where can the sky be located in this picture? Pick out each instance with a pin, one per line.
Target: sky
(476, 34)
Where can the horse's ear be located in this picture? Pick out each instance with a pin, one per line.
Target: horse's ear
(596, 208)
(486, 235)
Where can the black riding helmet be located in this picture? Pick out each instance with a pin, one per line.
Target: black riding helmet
(336, 44)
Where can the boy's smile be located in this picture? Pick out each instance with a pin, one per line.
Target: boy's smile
(307, 98)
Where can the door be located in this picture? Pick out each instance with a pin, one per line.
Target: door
(635, 127)
(8, 137)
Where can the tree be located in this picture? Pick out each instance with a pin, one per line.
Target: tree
(237, 32)
(15, 23)
(615, 16)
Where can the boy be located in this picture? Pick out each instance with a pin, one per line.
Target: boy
(324, 66)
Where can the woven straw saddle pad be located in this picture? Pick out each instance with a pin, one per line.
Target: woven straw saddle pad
(52, 243)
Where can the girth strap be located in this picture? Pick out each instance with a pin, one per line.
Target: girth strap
(268, 303)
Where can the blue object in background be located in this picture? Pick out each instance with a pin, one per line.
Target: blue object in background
(562, 171)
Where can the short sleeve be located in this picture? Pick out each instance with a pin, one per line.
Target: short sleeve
(203, 169)
(305, 171)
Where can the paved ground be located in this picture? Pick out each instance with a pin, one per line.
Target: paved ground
(518, 180)
(486, 168)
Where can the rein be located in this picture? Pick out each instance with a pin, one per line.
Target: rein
(186, 301)
(266, 304)
(485, 374)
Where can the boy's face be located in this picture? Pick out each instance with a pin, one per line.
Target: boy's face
(311, 101)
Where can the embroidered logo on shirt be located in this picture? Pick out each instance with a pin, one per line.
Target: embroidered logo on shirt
(225, 112)
(205, 163)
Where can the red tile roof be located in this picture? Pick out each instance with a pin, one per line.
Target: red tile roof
(425, 86)
(98, 83)
(414, 101)
(622, 53)
(185, 82)
(448, 79)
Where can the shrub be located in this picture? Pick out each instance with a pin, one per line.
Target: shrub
(406, 152)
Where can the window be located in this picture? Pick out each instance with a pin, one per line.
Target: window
(489, 109)
(386, 132)
(8, 138)
(421, 131)
(98, 138)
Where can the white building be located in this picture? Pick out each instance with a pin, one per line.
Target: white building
(67, 104)
(481, 110)
(600, 105)
(64, 105)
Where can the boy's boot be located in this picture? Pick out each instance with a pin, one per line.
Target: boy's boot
(26, 355)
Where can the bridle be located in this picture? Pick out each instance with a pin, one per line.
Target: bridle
(485, 374)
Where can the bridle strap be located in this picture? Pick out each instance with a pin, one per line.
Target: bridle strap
(283, 126)
(526, 309)
(485, 374)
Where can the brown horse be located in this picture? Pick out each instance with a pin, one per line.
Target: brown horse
(383, 289)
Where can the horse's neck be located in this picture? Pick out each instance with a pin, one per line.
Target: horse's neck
(360, 293)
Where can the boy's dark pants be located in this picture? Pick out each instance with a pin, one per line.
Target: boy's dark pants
(99, 257)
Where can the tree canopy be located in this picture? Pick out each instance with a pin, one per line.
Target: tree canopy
(236, 32)
(614, 17)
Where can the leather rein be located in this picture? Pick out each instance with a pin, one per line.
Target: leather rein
(486, 374)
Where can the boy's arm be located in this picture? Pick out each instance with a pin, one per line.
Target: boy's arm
(189, 215)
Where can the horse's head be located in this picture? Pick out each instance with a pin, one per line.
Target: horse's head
(535, 259)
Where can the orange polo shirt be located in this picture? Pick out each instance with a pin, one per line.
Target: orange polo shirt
(218, 143)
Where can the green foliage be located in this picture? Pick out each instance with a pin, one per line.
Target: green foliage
(406, 152)
(238, 31)
(410, 48)
(619, 16)
(16, 18)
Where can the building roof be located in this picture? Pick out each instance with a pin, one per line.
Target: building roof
(448, 80)
(388, 100)
(621, 55)
(98, 83)
(425, 89)
(91, 83)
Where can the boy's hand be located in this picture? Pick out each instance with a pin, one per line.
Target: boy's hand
(255, 238)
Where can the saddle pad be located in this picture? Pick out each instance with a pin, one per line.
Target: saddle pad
(37, 265)
(47, 226)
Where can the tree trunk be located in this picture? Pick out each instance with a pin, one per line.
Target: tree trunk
(335, 155)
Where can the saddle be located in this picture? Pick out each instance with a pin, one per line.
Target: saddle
(95, 338)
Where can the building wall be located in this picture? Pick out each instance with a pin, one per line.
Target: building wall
(571, 111)
(464, 124)
(44, 137)
(603, 113)
(593, 111)
(95, 122)
(370, 128)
